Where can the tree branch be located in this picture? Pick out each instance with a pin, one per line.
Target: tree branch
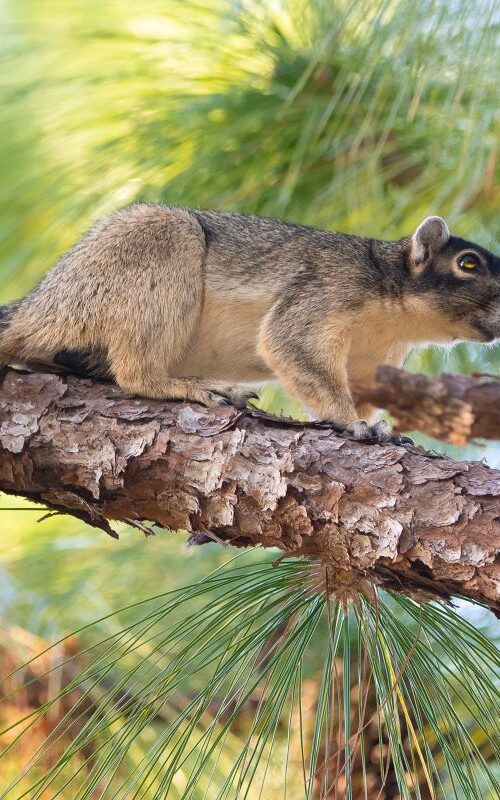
(454, 408)
(406, 519)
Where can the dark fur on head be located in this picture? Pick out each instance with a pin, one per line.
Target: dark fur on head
(468, 296)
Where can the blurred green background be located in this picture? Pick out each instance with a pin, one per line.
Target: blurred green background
(346, 115)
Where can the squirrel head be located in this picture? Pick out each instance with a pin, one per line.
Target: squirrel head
(458, 278)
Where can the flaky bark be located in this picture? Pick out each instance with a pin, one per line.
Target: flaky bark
(407, 519)
(454, 408)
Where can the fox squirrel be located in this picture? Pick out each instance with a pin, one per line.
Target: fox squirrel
(178, 303)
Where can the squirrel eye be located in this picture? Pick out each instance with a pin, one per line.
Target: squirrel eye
(469, 262)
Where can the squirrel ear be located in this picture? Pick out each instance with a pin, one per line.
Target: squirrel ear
(430, 236)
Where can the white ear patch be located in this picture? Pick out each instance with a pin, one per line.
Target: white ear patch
(430, 236)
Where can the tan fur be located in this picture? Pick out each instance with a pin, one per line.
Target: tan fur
(173, 303)
(385, 334)
(387, 330)
(223, 345)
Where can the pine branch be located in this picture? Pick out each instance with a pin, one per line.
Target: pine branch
(454, 408)
(405, 518)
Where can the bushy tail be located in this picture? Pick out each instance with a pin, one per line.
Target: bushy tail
(17, 348)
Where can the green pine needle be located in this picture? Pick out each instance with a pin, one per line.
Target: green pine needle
(202, 694)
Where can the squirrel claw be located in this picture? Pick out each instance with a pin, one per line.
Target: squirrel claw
(379, 432)
(399, 438)
(362, 432)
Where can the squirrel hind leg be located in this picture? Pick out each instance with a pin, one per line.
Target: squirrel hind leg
(159, 385)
